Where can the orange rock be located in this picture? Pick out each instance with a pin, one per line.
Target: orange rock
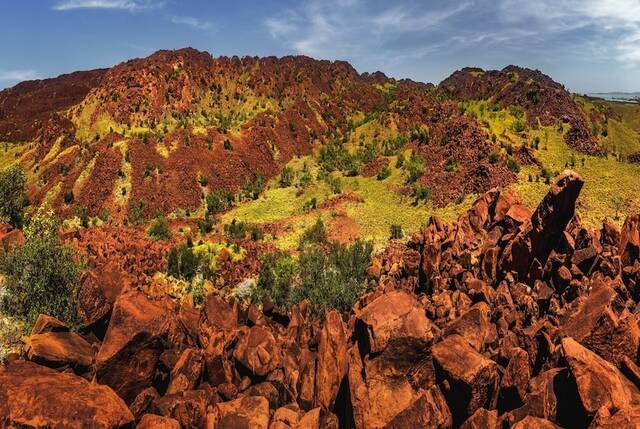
(258, 351)
(332, 360)
(35, 396)
(250, 412)
(57, 349)
(152, 421)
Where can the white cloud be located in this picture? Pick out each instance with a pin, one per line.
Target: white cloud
(17, 75)
(130, 5)
(192, 22)
(404, 19)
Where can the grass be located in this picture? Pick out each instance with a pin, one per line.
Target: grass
(381, 208)
(211, 251)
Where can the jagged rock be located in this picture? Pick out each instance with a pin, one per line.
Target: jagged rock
(258, 351)
(390, 317)
(332, 360)
(45, 323)
(152, 421)
(628, 418)
(98, 293)
(34, 396)
(629, 247)
(474, 325)
(186, 372)
(250, 412)
(143, 402)
(482, 419)
(599, 383)
(318, 419)
(188, 408)
(284, 418)
(531, 422)
(468, 379)
(132, 345)
(537, 238)
(515, 380)
(58, 349)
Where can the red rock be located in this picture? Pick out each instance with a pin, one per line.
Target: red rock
(332, 360)
(46, 324)
(98, 293)
(629, 246)
(482, 419)
(35, 396)
(284, 418)
(627, 418)
(58, 349)
(250, 412)
(470, 380)
(186, 372)
(152, 421)
(258, 351)
(392, 316)
(531, 422)
(536, 238)
(188, 408)
(143, 402)
(318, 419)
(515, 380)
(599, 383)
(133, 343)
(474, 326)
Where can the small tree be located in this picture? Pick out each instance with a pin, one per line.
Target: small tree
(396, 232)
(159, 228)
(286, 177)
(42, 276)
(13, 197)
(618, 203)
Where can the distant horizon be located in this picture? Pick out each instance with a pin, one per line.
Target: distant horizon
(587, 45)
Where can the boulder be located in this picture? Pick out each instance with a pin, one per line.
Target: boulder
(153, 421)
(45, 323)
(390, 317)
(258, 351)
(59, 349)
(142, 404)
(98, 292)
(600, 384)
(186, 372)
(35, 396)
(468, 379)
(188, 408)
(332, 360)
(531, 422)
(138, 329)
(629, 247)
(537, 237)
(249, 412)
(482, 419)
(474, 325)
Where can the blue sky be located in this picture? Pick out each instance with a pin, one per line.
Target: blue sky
(589, 45)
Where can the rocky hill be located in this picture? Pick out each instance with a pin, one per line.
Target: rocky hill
(506, 318)
(158, 134)
(545, 102)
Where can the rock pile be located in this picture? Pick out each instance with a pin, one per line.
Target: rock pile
(506, 318)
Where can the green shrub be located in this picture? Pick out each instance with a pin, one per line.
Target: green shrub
(493, 157)
(254, 187)
(451, 165)
(513, 165)
(136, 212)
(227, 145)
(218, 201)
(68, 197)
(395, 232)
(42, 276)
(400, 160)
(205, 226)
(335, 279)
(315, 234)
(414, 167)
(277, 274)
(286, 177)
(310, 204)
(519, 126)
(159, 228)
(13, 196)
(383, 173)
(182, 263)
(240, 230)
(421, 192)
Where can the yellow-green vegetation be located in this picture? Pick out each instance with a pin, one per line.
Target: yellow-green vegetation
(122, 188)
(605, 177)
(210, 252)
(621, 139)
(53, 151)
(84, 175)
(381, 206)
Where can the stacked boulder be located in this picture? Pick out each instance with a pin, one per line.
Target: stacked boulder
(506, 318)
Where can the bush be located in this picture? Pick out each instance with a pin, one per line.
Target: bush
(159, 228)
(400, 160)
(254, 187)
(136, 212)
(335, 184)
(315, 234)
(182, 263)
(335, 279)
(310, 204)
(513, 165)
(414, 167)
(13, 196)
(421, 192)
(41, 276)
(218, 201)
(451, 165)
(395, 232)
(286, 177)
(519, 126)
(383, 173)
(227, 145)
(277, 273)
(493, 157)
(68, 197)
(205, 226)
(240, 230)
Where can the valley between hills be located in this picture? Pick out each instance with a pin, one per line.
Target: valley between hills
(195, 241)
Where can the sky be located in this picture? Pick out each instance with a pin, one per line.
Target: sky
(588, 45)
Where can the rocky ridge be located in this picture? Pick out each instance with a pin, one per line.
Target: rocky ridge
(506, 318)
